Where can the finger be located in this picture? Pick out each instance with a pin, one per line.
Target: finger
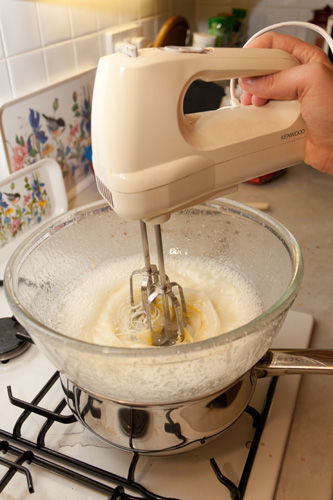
(303, 51)
(292, 83)
(246, 98)
(258, 101)
(284, 85)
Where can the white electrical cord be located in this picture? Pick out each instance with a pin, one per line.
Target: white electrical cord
(234, 100)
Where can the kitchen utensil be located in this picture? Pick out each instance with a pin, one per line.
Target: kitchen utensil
(156, 284)
(189, 379)
(163, 429)
(203, 40)
(151, 160)
(83, 240)
(142, 177)
(173, 32)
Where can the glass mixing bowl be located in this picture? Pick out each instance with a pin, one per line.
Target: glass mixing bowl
(55, 257)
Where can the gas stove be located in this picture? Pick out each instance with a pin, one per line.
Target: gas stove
(46, 452)
(57, 459)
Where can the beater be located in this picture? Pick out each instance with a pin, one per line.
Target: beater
(151, 160)
(155, 283)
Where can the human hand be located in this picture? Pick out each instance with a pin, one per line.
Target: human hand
(311, 83)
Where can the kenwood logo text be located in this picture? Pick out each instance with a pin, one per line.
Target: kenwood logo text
(293, 134)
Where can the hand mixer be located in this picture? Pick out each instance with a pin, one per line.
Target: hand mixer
(151, 160)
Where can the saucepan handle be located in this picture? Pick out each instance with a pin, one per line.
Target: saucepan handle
(294, 361)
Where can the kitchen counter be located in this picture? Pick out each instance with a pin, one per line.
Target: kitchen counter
(302, 200)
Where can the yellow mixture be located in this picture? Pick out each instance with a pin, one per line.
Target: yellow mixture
(98, 310)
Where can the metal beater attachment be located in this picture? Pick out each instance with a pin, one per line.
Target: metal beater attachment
(157, 289)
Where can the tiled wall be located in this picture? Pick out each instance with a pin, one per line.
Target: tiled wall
(43, 42)
(261, 13)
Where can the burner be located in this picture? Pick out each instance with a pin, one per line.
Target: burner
(14, 340)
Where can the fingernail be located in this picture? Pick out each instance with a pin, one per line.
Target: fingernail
(247, 80)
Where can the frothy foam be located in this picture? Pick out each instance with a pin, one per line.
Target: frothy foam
(98, 310)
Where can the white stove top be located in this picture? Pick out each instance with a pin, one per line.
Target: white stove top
(185, 477)
(188, 476)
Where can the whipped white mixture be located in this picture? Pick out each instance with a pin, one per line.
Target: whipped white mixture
(98, 309)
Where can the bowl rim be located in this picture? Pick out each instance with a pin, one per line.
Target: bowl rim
(222, 204)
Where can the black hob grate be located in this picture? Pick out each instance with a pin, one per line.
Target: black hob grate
(18, 452)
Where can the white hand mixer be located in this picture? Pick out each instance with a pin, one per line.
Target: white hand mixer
(151, 160)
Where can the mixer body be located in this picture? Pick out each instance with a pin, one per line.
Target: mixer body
(151, 160)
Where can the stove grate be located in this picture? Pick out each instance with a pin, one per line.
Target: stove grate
(71, 471)
(114, 486)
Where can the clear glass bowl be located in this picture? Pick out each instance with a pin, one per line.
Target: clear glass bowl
(55, 257)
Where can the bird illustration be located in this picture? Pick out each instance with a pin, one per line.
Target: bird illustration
(13, 197)
(55, 126)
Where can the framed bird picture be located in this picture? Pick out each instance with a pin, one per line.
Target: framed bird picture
(54, 123)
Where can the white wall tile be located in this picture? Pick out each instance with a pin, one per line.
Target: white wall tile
(87, 53)
(19, 26)
(107, 17)
(245, 4)
(305, 15)
(256, 21)
(6, 93)
(181, 4)
(128, 10)
(4, 171)
(146, 8)
(148, 29)
(262, 18)
(302, 33)
(214, 8)
(60, 62)
(27, 72)
(162, 7)
(83, 20)
(313, 4)
(262, 4)
(215, 3)
(284, 4)
(202, 15)
(273, 16)
(2, 52)
(54, 23)
(102, 44)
